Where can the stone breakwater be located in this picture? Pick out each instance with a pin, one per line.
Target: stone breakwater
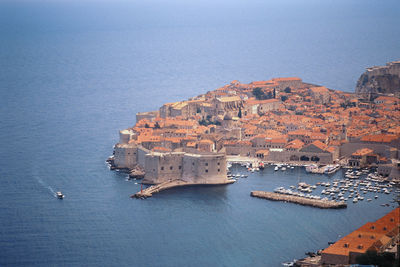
(149, 191)
(322, 204)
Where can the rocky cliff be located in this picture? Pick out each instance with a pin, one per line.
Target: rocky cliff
(380, 80)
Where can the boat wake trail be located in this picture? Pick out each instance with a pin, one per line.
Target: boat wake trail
(41, 182)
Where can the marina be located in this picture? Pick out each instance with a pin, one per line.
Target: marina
(346, 185)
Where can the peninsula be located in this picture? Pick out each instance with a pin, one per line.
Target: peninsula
(277, 120)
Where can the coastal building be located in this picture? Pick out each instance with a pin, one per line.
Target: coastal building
(204, 168)
(362, 158)
(128, 156)
(380, 236)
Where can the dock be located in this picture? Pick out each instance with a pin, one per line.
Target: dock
(149, 191)
(322, 204)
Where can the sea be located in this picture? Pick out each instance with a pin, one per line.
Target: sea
(74, 73)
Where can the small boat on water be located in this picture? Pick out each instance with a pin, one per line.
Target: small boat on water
(288, 263)
(59, 195)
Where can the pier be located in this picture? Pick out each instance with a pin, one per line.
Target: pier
(322, 204)
(149, 191)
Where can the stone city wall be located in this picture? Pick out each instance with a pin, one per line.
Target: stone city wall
(125, 155)
(162, 167)
(204, 168)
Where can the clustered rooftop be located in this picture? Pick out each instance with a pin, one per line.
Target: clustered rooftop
(263, 118)
(378, 236)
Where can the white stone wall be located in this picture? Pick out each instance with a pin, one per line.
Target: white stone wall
(162, 167)
(141, 155)
(125, 136)
(125, 155)
(192, 168)
(204, 169)
(150, 115)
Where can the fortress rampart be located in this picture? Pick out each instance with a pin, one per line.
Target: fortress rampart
(392, 68)
(192, 168)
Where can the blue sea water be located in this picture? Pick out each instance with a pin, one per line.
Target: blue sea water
(74, 73)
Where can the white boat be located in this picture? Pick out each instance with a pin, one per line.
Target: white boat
(59, 195)
(276, 168)
(283, 169)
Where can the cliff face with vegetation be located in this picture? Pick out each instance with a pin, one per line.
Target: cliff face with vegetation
(380, 80)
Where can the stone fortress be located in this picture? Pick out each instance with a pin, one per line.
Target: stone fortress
(379, 80)
(161, 167)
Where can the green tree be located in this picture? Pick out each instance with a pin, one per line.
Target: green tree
(157, 125)
(146, 125)
(258, 93)
(284, 98)
(240, 112)
(288, 90)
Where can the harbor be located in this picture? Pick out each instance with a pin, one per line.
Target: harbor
(318, 203)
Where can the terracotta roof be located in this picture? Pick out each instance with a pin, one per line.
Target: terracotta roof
(363, 152)
(319, 89)
(319, 144)
(206, 141)
(372, 236)
(286, 79)
(160, 148)
(381, 138)
(296, 144)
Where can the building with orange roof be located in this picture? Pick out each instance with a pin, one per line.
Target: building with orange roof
(294, 145)
(206, 145)
(292, 82)
(362, 157)
(311, 118)
(379, 138)
(253, 106)
(373, 236)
